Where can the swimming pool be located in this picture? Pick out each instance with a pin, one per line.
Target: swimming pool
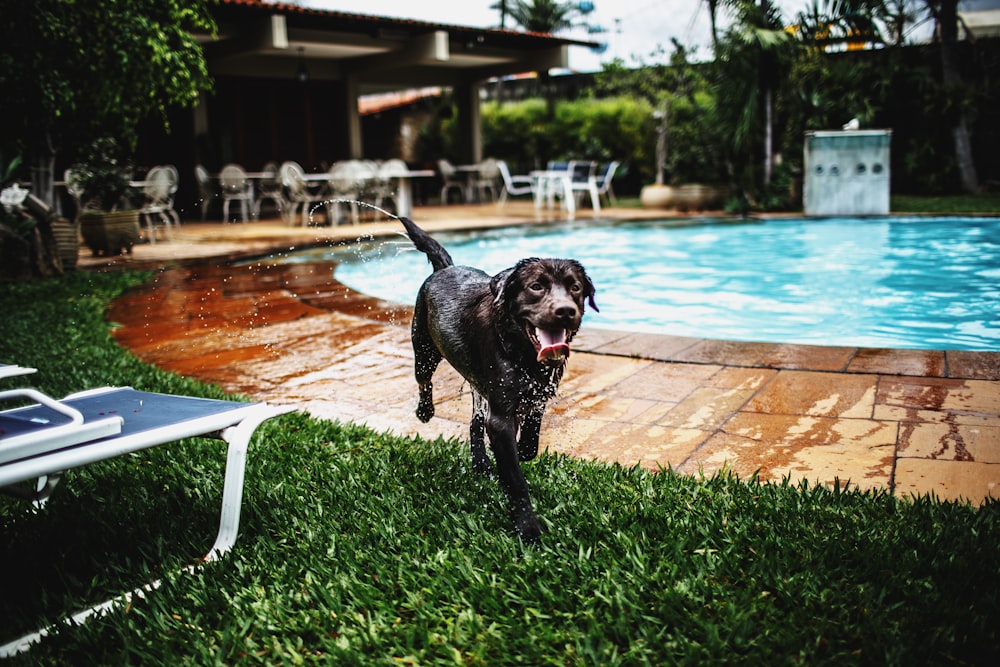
(928, 283)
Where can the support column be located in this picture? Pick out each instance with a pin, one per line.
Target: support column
(469, 125)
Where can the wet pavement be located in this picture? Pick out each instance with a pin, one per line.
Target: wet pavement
(910, 421)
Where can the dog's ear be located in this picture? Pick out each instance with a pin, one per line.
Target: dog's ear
(588, 286)
(590, 292)
(498, 287)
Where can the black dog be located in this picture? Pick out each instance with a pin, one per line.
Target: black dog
(508, 336)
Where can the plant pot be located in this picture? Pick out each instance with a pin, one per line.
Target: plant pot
(67, 236)
(110, 232)
(691, 197)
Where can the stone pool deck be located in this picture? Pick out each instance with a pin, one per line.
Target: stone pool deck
(909, 421)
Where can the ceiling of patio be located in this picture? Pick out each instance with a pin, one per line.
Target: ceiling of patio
(382, 54)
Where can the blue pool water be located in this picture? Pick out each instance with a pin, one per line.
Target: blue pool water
(930, 283)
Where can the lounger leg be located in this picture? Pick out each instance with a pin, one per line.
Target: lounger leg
(238, 438)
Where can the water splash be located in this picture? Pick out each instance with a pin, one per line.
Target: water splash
(326, 203)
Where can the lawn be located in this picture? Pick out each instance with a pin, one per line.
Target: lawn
(363, 548)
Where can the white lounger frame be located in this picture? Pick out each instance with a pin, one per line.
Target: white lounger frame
(60, 447)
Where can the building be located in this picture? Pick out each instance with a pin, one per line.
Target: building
(288, 81)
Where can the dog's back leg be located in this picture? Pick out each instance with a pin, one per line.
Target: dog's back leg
(426, 358)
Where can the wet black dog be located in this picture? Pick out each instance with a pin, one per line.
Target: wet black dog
(508, 335)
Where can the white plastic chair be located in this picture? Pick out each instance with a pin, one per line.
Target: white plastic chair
(584, 181)
(604, 182)
(298, 192)
(450, 179)
(489, 179)
(236, 186)
(514, 186)
(386, 183)
(269, 187)
(206, 190)
(159, 188)
(350, 181)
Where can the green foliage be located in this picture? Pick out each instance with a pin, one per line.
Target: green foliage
(75, 71)
(102, 173)
(546, 16)
(367, 549)
(602, 130)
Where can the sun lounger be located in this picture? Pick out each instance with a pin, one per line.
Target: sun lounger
(51, 436)
(42, 440)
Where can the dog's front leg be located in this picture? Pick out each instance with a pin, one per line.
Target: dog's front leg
(503, 440)
(527, 443)
(477, 435)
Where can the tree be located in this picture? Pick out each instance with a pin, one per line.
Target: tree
(751, 60)
(546, 16)
(945, 13)
(73, 72)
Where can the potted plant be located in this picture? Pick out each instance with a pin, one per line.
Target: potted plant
(108, 222)
(691, 163)
(33, 241)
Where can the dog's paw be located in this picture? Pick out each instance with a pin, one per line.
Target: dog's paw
(425, 410)
(529, 528)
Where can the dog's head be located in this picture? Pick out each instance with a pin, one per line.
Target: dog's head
(542, 300)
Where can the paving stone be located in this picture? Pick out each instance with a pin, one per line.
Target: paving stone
(707, 408)
(669, 382)
(924, 363)
(956, 442)
(947, 480)
(818, 449)
(726, 353)
(973, 365)
(817, 394)
(809, 357)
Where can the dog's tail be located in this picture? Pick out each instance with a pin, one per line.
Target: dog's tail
(438, 256)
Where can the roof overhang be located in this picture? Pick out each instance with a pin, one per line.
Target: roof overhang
(379, 54)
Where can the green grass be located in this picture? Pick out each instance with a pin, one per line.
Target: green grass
(364, 549)
(987, 203)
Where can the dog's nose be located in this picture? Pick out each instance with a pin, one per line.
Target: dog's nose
(566, 310)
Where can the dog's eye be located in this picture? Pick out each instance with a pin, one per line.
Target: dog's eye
(536, 287)
(575, 288)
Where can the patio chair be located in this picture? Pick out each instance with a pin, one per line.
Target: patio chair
(450, 178)
(42, 440)
(352, 182)
(236, 186)
(158, 190)
(386, 186)
(206, 191)
(488, 179)
(514, 186)
(584, 181)
(604, 182)
(298, 192)
(269, 187)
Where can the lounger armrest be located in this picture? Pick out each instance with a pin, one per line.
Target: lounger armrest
(49, 402)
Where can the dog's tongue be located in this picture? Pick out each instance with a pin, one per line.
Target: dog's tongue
(553, 346)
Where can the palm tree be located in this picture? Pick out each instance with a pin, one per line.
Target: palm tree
(546, 16)
(751, 59)
(945, 13)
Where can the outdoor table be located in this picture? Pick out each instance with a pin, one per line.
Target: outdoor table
(548, 182)
(471, 172)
